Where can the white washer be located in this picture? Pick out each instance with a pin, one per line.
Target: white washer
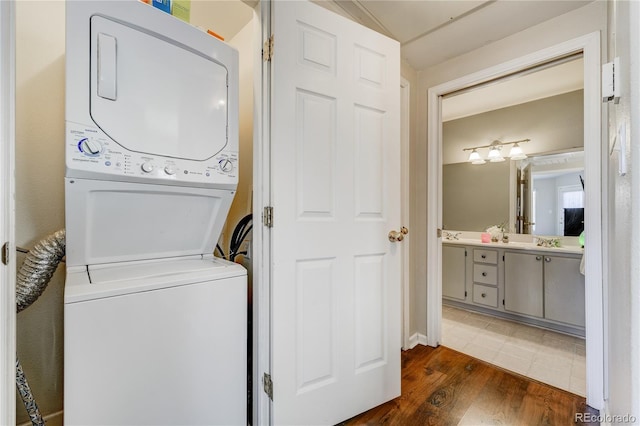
(155, 326)
(156, 343)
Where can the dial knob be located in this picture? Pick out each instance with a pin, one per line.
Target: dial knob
(147, 167)
(90, 147)
(225, 165)
(170, 169)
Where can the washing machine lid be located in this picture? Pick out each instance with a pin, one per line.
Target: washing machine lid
(119, 279)
(155, 96)
(155, 269)
(109, 221)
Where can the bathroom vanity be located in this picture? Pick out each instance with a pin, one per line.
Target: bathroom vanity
(542, 286)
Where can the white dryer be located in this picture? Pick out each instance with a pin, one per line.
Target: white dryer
(155, 326)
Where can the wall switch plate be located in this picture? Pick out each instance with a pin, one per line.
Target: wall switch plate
(611, 81)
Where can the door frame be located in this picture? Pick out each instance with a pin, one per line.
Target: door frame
(405, 132)
(7, 214)
(261, 234)
(595, 195)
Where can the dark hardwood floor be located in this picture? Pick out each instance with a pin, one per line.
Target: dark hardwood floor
(443, 387)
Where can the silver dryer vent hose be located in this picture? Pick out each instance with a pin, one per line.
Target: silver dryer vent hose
(34, 275)
(38, 267)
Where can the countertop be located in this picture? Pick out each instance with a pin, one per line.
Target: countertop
(513, 245)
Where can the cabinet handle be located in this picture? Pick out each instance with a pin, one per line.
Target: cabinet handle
(484, 256)
(484, 274)
(484, 294)
(538, 257)
(547, 259)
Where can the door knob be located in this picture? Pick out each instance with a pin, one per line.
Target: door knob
(398, 235)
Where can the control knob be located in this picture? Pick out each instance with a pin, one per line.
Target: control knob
(170, 169)
(226, 165)
(89, 147)
(147, 167)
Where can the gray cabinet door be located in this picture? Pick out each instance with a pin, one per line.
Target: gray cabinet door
(453, 272)
(563, 290)
(523, 286)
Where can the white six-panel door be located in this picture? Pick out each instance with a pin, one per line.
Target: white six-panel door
(335, 161)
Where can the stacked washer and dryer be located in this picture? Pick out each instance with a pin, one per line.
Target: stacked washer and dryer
(155, 326)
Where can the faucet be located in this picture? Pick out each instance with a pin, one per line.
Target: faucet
(451, 235)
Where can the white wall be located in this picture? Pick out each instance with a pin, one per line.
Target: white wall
(623, 308)
(565, 27)
(408, 73)
(39, 187)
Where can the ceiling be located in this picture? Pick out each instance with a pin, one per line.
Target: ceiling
(433, 31)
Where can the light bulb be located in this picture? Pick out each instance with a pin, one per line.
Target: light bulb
(516, 153)
(494, 155)
(474, 156)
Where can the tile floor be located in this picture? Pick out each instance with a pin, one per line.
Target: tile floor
(553, 358)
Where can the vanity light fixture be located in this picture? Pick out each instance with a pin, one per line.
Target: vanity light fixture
(474, 158)
(494, 155)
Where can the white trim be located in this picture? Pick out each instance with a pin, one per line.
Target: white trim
(7, 214)
(434, 216)
(417, 339)
(261, 234)
(405, 108)
(513, 198)
(594, 196)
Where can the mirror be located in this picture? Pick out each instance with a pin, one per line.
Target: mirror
(554, 202)
(529, 195)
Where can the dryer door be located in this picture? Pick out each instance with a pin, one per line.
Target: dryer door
(155, 96)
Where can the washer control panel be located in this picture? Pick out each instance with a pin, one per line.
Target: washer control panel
(89, 151)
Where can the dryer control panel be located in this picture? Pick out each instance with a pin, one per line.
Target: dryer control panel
(91, 151)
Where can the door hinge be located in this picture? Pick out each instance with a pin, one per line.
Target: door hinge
(502, 302)
(267, 217)
(267, 385)
(267, 49)
(5, 253)
(439, 233)
(465, 293)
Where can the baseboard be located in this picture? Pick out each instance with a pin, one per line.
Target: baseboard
(54, 419)
(606, 418)
(417, 339)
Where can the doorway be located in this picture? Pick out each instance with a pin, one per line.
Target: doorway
(589, 45)
(479, 194)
